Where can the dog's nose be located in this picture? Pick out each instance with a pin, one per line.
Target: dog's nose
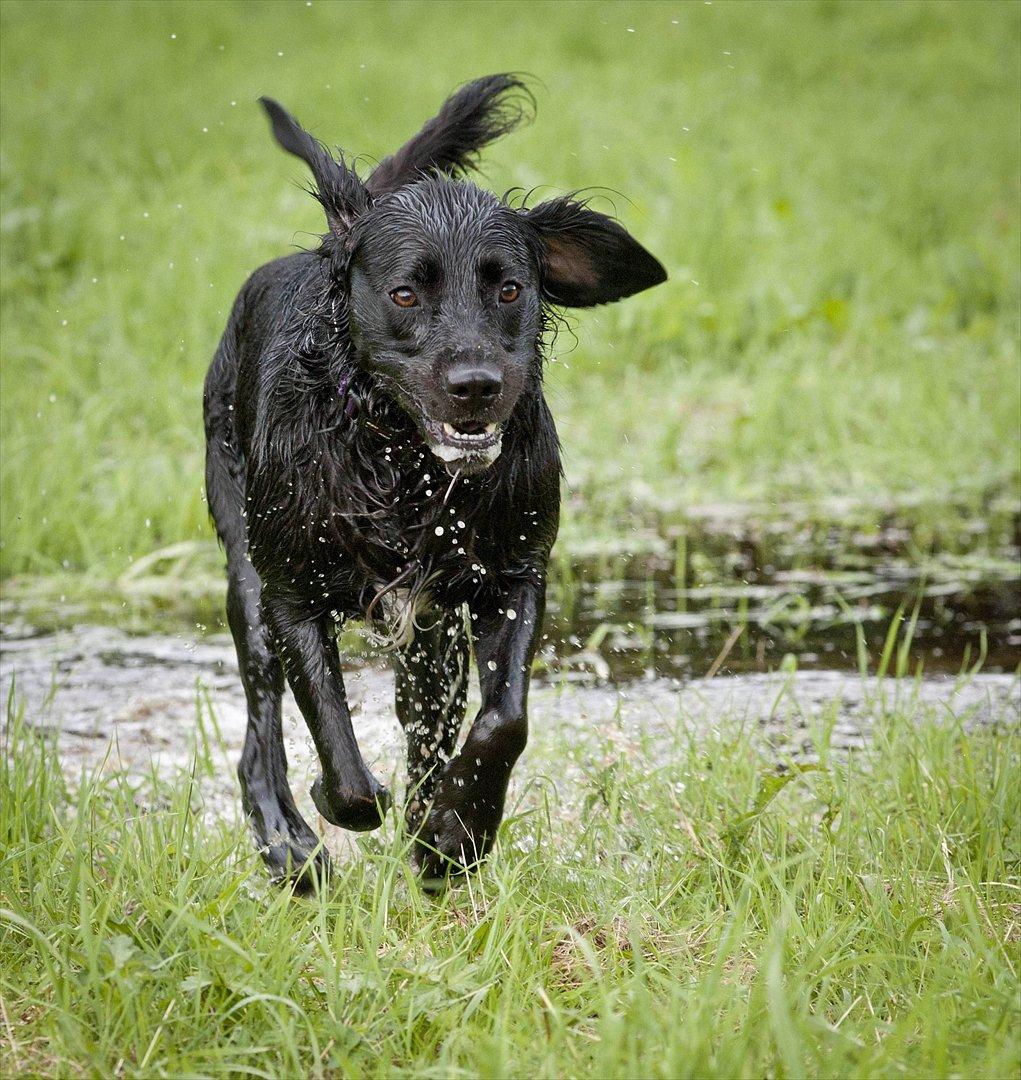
(475, 387)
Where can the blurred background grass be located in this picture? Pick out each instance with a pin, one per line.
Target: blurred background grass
(832, 186)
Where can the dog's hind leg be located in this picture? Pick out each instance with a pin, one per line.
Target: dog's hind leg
(285, 839)
(431, 679)
(287, 843)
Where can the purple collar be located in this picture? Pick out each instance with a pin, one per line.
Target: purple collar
(350, 405)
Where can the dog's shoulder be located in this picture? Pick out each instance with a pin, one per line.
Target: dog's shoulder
(275, 282)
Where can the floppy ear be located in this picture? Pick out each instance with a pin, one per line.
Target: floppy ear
(338, 188)
(587, 258)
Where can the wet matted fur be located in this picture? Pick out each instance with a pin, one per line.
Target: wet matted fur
(379, 447)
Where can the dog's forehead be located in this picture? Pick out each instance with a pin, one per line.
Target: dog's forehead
(443, 216)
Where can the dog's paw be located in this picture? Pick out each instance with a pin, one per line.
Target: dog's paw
(290, 849)
(359, 811)
(457, 834)
(305, 869)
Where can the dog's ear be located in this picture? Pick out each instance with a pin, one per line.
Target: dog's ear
(478, 113)
(586, 258)
(338, 188)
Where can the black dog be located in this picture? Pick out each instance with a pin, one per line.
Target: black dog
(378, 446)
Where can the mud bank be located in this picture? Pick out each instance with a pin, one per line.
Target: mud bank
(118, 703)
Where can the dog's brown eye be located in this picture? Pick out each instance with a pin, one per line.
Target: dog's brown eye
(509, 292)
(404, 298)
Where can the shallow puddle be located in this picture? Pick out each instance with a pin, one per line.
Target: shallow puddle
(739, 594)
(718, 589)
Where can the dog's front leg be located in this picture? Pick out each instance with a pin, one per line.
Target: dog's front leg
(346, 794)
(469, 800)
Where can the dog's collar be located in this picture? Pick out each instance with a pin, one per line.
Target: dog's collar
(350, 404)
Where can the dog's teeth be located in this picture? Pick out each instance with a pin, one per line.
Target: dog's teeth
(451, 432)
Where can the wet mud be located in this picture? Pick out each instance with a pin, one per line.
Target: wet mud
(118, 703)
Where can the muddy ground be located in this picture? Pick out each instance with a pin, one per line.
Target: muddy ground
(125, 703)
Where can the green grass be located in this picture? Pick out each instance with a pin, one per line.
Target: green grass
(833, 187)
(683, 909)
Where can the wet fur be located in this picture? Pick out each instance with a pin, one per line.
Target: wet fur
(330, 504)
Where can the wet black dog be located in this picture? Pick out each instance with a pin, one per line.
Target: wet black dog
(378, 446)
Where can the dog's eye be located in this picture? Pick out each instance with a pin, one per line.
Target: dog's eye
(404, 297)
(509, 292)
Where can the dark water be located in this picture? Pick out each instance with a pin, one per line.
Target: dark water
(825, 597)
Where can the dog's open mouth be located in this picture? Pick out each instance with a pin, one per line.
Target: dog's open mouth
(468, 445)
(468, 436)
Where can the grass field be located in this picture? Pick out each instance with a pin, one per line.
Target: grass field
(709, 915)
(833, 187)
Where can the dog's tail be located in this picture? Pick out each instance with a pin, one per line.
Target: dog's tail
(477, 114)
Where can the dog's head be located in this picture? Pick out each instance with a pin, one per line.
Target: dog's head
(447, 286)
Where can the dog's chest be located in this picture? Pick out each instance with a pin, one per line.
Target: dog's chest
(434, 534)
